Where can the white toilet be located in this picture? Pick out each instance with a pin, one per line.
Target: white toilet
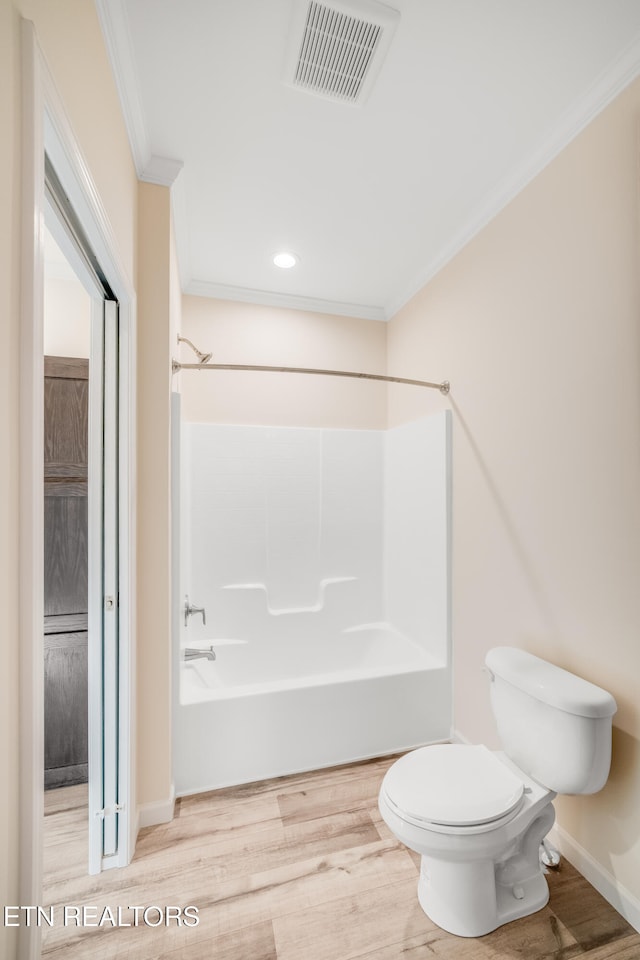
(478, 817)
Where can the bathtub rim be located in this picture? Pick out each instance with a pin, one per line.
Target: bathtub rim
(428, 663)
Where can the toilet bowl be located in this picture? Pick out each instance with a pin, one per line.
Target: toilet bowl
(477, 817)
(477, 822)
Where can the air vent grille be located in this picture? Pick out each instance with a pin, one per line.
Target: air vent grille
(339, 48)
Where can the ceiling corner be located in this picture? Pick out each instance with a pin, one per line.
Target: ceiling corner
(161, 170)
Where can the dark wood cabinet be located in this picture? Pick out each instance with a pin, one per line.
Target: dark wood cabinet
(66, 407)
(65, 708)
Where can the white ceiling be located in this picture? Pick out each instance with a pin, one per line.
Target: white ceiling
(473, 98)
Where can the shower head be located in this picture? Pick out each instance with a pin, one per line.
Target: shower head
(202, 357)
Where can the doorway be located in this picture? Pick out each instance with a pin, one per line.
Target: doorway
(81, 585)
(46, 129)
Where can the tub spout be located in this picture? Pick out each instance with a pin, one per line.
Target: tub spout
(199, 653)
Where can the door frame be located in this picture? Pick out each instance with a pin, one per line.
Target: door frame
(47, 127)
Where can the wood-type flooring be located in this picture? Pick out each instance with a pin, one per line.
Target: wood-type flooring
(295, 868)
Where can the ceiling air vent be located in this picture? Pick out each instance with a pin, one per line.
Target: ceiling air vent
(337, 48)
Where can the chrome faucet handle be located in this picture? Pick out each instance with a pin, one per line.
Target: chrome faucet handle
(190, 609)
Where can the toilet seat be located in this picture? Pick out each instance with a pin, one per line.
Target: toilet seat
(453, 785)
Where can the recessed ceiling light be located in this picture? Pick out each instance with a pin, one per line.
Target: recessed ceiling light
(285, 260)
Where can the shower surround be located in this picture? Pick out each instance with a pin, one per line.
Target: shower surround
(322, 559)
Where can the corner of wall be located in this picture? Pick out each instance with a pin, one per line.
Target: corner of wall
(157, 811)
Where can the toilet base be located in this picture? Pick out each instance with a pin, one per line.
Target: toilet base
(466, 900)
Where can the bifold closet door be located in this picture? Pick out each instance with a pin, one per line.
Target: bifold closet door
(104, 607)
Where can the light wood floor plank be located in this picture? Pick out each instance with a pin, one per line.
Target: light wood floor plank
(65, 798)
(583, 911)
(319, 800)
(353, 924)
(299, 867)
(327, 776)
(387, 923)
(298, 886)
(626, 949)
(257, 848)
(255, 825)
(250, 943)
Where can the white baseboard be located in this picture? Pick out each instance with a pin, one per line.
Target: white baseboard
(159, 811)
(598, 876)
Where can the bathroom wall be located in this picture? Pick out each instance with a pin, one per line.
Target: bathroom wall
(349, 525)
(246, 333)
(10, 238)
(536, 324)
(156, 320)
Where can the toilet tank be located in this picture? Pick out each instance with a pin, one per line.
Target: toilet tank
(553, 725)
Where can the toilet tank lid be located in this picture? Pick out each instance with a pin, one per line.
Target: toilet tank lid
(550, 684)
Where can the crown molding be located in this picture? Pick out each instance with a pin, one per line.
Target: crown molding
(117, 36)
(611, 82)
(219, 291)
(161, 170)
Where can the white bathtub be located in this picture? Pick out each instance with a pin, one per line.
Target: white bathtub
(265, 709)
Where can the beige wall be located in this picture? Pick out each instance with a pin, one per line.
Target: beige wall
(9, 481)
(537, 325)
(245, 333)
(153, 509)
(71, 39)
(175, 295)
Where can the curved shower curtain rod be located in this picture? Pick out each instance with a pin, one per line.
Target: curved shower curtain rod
(176, 367)
(204, 364)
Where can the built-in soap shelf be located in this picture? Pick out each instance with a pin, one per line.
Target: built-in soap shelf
(283, 611)
(216, 641)
(367, 627)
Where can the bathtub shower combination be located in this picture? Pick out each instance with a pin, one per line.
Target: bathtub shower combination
(321, 558)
